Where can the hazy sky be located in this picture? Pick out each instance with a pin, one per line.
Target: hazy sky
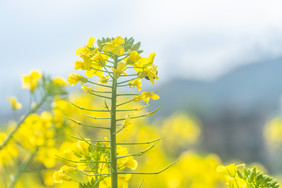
(193, 39)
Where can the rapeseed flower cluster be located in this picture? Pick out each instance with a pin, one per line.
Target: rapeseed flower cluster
(33, 136)
(238, 177)
(96, 62)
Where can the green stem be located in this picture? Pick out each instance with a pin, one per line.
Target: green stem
(22, 168)
(114, 174)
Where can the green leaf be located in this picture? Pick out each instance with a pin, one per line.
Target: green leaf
(136, 46)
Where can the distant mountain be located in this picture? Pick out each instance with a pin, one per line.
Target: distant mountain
(233, 108)
(256, 86)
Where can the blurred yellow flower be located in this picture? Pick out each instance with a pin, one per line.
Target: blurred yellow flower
(273, 132)
(15, 105)
(7, 154)
(31, 81)
(80, 149)
(181, 131)
(59, 81)
(59, 176)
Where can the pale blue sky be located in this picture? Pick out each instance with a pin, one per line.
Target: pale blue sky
(193, 39)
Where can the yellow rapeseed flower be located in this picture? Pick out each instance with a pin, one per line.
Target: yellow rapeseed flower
(86, 89)
(231, 175)
(15, 105)
(31, 81)
(135, 83)
(149, 70)
(79, 65)
(59, 176)
(73, 78)
(104, 79)
(146, 96)
(90, 42)
(121, 67)
(115, 46)
(151, 73)
(85, 49)
(80, 148)
(132, 58)
(99, 58)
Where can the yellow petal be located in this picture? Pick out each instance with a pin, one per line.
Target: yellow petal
(119, 40)
(90, 41)
(155, 97)
(80, 50)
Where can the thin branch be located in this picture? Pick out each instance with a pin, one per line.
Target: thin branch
(104, 174)
(140, 143)
(120, 143)
(148, 173)
(128, 75)
(128, 110)
(108, 72)
(122, 85)
(84, 125)
(102, 96)
(86, 109)
(126, 55)
(21, 169)
(145, 115)
(102, 70)
(109, 66)
(125, 102)
(101, 91)
(135, 67)
(83, 139)
(128, 94)
(99, 84)
(126, 81)
(123, 127)
(141, 183)
(85, 162)
(139, 153)
(92, 117)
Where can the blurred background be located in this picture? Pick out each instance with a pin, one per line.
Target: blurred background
(220, 62)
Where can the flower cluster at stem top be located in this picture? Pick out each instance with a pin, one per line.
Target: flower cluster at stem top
(100, 61)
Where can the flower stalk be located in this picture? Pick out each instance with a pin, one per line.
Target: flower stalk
(114, 173)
